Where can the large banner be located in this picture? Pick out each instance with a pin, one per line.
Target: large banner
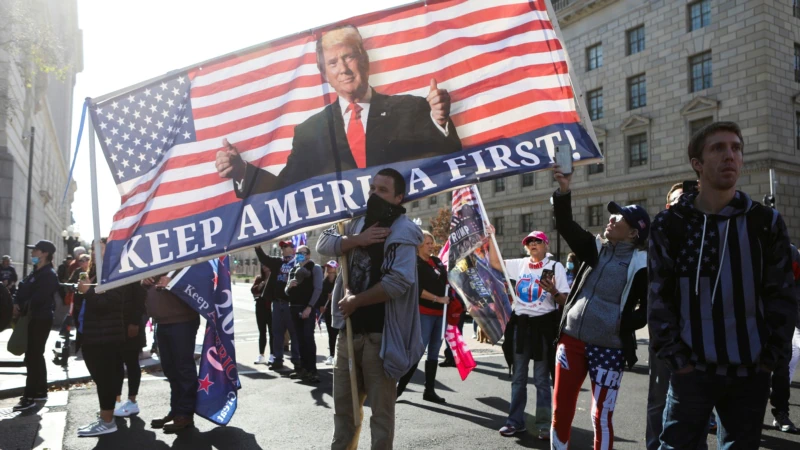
(470, 273)
(285, 136)
(206, 287)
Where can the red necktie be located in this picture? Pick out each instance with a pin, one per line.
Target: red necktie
(356, 137)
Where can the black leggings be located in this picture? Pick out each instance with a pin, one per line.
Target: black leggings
(264, 322)
(129, 362)
(332, 333)
(103, 362)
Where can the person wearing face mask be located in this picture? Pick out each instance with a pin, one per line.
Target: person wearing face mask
(541, 286)
(303, 289)
(572, 268)
(432, 285)
(282, 322)
(84, 264)
(331, 271)
(381, 301)
(604, 309)
(35, 294)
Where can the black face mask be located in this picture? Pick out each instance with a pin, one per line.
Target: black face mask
(381, 212)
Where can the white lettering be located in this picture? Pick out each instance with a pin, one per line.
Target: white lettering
(479, 162)
(183, 240)
(311, 200)
(455, 174)
(418, 176)
(342, 190)
(365, 187)
(250, 219)
(571, 140)
(129, 256)
(521, 151)
(227, 322)
(611, 379)
(279, 214)
(600, 373)
(499, 159)
(549, 143)
(155, 247)
(211, 228)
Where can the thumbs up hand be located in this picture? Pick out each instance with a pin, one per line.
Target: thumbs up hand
(229, 164)
(439, 100)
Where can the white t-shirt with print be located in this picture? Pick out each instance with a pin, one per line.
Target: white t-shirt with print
(531, 300)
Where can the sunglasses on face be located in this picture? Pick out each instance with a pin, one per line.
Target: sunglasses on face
(535, 241)
(616, 218)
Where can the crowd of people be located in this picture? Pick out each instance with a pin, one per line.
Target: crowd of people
(713, 277)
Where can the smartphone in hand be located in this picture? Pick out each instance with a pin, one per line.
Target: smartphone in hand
(549, 275)
(564, 158)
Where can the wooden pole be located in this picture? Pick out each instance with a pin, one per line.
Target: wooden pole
(351, 365)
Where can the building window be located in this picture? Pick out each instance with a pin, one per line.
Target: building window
(797, 128)
(637, 92)
(432, 201)
(700, 72)
(500, 185)
(599, 167)
(796, 8)
(596, 104)
(449, 198)
(499, 225)
(594, 57)
(636, 40)
(415, 204)
(526, 223)
(527, 179)
(797, 62)
(637, 150)
(699, 14)
(699, 124)
(595, 215)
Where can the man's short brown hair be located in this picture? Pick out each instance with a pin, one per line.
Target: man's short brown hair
(698, 141)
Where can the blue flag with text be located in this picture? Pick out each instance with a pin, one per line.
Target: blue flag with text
(206, 287)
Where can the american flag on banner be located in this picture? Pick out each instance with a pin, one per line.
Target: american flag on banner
(300, 239)
(500, 60)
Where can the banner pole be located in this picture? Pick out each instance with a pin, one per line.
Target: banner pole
(444, 315)
(496, 247)
(351, 365)
(95, 209)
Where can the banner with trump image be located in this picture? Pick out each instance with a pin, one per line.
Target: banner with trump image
(206, 287)
(285, 136)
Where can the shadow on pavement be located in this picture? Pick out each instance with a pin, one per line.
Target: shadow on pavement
(137, 435)
(20, 429)
(481, 418)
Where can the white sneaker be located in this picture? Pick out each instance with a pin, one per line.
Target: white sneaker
(117, 405)
(260, 360)
(329, 361)
(271, 359)
(97, 428)
(127, 409)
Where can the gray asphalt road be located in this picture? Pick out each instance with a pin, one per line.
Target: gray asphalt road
(276, 412)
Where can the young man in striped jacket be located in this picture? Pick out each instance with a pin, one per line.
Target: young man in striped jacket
(721, 311)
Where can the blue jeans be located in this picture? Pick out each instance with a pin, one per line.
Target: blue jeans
(431, 335)
(657, 401)
(176, 350)
(740, 403)
(282, 321)
(519, 390)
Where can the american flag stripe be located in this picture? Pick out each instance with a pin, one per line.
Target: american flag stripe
(256, 98)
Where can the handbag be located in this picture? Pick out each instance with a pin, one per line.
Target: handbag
(18, 342)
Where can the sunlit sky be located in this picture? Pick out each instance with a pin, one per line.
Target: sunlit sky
(128, 42)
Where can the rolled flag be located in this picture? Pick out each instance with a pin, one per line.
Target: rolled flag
(461, 353)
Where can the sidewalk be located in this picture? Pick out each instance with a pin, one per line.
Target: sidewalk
(12, 368)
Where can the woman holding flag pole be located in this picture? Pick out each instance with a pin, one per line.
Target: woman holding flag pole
(433, 301)
(541, 285)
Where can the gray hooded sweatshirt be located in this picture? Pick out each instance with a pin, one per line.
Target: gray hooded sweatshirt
(401, 345)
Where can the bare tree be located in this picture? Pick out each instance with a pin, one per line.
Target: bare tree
(440, 227)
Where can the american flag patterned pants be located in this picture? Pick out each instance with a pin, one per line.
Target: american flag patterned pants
(574, 359)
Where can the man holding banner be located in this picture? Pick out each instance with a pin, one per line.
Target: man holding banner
(361, 129)
(381, 301)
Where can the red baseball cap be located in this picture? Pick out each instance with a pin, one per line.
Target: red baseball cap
(283, 244)
(536, 235)
(332, 264)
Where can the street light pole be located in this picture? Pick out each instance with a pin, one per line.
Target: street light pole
(28, 207)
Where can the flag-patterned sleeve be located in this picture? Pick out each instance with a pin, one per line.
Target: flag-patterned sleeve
(663, 302)
(777, 294)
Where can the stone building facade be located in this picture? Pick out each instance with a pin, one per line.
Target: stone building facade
(47, 105)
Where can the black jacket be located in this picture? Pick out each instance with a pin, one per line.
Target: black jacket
(584, 244)
(37, 293)
(399, 128)
(104, 319)
(276, 284)
(133, 313)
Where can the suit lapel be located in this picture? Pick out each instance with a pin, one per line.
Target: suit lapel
(379, 114)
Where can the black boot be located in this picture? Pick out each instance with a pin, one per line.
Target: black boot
(430, 380)
(403, 382)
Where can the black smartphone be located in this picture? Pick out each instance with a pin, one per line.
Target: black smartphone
(689, 186)
(549, 275)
